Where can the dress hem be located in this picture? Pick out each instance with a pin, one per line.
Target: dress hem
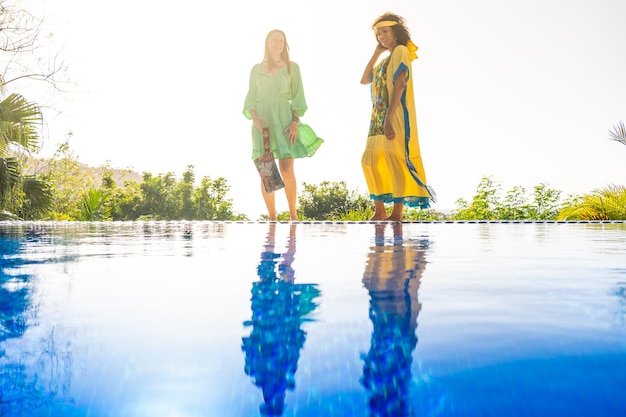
(410, 201)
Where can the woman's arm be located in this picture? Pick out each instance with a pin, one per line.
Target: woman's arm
(369, 68)
(398, 89)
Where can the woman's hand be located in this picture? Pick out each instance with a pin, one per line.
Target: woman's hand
(368, 73)
(292, 132)
(257, 122)
(388, 129)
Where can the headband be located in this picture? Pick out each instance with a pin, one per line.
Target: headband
(384, 23)
(410, 45)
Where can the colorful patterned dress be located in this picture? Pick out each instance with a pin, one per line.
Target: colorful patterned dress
(393, 169)
(274, 98)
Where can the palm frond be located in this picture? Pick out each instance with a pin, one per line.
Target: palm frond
(613, 199)
(93, 208)
(618, 133)
(19, 122)
(39, 192)
(9, 175)
(608, 203)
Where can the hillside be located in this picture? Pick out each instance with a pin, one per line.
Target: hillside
(36, 166)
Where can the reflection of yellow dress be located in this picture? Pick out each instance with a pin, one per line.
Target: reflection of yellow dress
(393, 169)
(392, 277)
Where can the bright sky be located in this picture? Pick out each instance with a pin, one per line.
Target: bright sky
(524, 91)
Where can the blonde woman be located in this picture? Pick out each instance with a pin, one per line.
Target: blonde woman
(275, 100)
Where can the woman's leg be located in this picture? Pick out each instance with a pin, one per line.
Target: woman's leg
(396, 214)
(269, 203)
(379, 211)
(289, 178)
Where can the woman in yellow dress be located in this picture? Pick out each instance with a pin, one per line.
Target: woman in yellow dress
(392, 162)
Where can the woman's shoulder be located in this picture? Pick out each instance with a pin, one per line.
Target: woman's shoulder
(401, 49)
(256, 68)
(401, 53)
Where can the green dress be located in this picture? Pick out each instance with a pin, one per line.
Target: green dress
(274, 98)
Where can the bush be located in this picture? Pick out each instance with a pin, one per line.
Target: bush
(488, 204)
(608, 203)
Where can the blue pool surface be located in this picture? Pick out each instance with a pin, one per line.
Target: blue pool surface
(178, 319)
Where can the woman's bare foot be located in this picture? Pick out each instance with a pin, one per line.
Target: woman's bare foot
(380, 213)
(393, 218)
(378, 217)
(396, 214)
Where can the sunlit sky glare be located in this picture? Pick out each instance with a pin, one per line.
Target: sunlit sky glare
(522, 91)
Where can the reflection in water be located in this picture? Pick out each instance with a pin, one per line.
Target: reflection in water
(392, 277)
(14, 293)
(32, 375)
(620, 293)
(279, 308)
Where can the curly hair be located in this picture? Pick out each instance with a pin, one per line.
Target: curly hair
(401, 31)
(284, 55)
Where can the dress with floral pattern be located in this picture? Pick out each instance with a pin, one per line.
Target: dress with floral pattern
(393, 169)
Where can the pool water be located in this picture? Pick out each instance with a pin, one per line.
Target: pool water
(179, 319)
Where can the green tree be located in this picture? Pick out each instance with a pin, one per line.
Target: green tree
(330, 200)
(487, 204)
(110, 192)
(211, 202)
(122, 203)
(184, 194)
(484, 204)
(158, 197)
(129, 201)
(163, 197)
(70, 181)
(546, 204)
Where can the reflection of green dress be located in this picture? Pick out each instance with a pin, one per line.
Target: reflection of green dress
(274, 98)
(279, 309)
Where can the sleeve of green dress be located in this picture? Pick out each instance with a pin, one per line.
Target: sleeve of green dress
(298, 103)
(252, 96)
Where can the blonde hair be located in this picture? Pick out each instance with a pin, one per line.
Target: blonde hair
(284, 54)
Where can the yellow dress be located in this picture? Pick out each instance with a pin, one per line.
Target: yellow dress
(393, 169)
